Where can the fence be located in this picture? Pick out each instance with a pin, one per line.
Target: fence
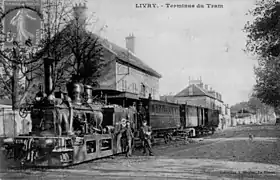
(11, 124)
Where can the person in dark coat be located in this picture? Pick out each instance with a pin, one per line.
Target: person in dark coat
(120, 133)
(141, 114)
(145, 136)
(129, 136)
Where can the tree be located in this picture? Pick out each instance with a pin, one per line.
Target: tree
(74, 49)
(263, 41)
(77, 52)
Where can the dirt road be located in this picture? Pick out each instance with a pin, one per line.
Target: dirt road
(226, 155)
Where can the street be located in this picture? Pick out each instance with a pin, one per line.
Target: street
(225, 155)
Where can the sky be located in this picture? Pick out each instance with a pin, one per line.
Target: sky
(185, 42)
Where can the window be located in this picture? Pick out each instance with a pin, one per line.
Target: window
(105, 144)
(143, 90)
(91, 146)
(134, 88)
(124, 85)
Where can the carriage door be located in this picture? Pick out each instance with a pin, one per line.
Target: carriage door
(206, 116)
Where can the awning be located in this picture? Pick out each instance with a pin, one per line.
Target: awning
(124, 95)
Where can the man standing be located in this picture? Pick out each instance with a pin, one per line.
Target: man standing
(121, 130)
(129, 136)
(145, 136)
(141, 114)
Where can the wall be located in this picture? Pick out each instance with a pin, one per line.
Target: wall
(107, 79)
(203, 101)
(223, 108)
(218, 104)
(129, 79)
(11, 124)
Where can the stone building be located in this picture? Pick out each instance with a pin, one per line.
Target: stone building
(199, 94)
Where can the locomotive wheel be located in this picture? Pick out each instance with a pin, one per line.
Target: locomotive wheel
(167, 138)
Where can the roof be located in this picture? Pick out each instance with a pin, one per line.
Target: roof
(127, 57)
(197, 91)
(168, 98)
(121, 53)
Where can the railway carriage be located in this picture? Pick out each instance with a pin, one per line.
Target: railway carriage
(164, 118)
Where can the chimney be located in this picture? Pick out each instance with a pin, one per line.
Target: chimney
(130, 43)
(80, 15)
(206, 87)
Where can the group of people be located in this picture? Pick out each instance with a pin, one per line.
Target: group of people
(126, 134)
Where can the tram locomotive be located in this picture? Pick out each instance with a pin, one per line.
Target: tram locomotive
(69, 131)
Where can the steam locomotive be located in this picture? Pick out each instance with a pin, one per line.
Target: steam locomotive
(67, 131)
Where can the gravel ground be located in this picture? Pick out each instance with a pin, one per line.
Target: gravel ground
(224, 155)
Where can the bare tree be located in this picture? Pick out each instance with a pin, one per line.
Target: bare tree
(74, 50)
(77, 52)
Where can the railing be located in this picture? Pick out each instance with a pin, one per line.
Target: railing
(12, 124)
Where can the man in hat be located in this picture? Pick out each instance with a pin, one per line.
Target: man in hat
(145, 136)
(119, 133)
(141, 114)
(129, 136)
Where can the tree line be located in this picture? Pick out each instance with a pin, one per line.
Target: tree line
(263, 42)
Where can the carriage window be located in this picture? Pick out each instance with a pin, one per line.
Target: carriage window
(153, 108)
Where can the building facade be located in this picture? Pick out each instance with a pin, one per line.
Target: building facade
(199, 94)
(125, 75)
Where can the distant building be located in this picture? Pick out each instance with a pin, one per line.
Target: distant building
(200, 94)
(168, 98)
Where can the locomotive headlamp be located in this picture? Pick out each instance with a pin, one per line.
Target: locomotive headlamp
(39, 96)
